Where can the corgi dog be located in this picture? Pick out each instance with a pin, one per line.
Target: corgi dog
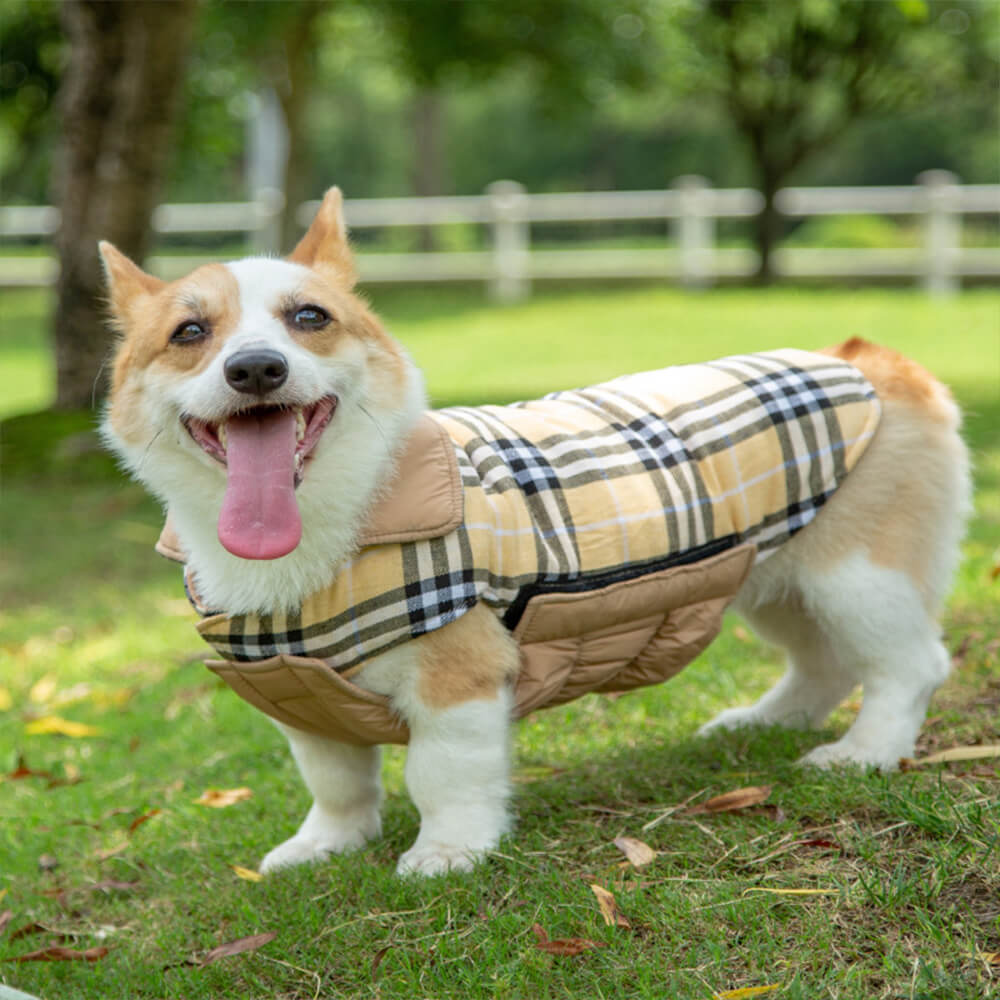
(289, 438)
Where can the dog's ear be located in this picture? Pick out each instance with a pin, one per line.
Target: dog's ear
(325, 242)
(126, 281)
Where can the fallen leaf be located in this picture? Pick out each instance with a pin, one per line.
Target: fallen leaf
(60, 954)
(43, 690)
(219, 798)
(237, 947)
(33, 928)
(377, 960)
(819, 842)
(48, 862)
(747, 991)
(989, 957)
(637, 852)
(562, 946)
(613, 916)
(23, 771)
(740, 798)
(982, 752)
(56, 725)
(535, 772)
(110, 852)
(248, 874)
(5, 918)
(139, 820)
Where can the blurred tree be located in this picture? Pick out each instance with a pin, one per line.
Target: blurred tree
(30, 61)
(793, 75)
(117, 103)
(570, 48)
(241, 46)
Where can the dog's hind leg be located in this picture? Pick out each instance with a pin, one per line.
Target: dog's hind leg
(884, 631)
(815, 680)
(346, 787)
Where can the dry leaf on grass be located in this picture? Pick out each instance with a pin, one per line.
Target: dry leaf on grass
(247, 874)
(60, 954)
(744, 992)
(740, 798)
(983, 752)
(58, 726)
(5, 918)
(139, 820)
(219, 798)
(377, 960)
(562, 946)
(43, 690)
(237, 947)
(22, 771)
(613, 916)
(637, 852)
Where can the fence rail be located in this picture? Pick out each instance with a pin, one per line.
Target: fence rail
(511, 263)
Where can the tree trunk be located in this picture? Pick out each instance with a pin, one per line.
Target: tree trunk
(299, 71)
(767, 231)
(429, 172)
(117, 105)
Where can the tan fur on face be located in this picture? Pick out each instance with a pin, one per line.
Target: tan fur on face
(209, 296)
(470, 659)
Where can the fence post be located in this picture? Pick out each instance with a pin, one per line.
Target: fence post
(267, 148)
(695, 230)
(942, 231)
(509, 281)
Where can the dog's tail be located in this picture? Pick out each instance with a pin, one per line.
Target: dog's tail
(897, 377)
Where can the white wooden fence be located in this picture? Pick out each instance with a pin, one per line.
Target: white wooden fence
(512, 263)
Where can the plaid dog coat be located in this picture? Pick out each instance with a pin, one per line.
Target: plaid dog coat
(608, 528)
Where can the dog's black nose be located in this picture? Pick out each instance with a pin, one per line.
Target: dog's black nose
(256, 371)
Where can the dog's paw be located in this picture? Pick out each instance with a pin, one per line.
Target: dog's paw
(731, 718)
(308, 848)
(436, 858)
(295, 851)
(846, 754)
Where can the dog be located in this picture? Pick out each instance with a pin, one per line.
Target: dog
(288, 436)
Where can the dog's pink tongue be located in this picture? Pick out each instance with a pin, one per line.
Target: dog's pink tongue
(260, 517)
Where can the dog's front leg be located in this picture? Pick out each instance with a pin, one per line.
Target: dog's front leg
(458, 775)
(346, 787)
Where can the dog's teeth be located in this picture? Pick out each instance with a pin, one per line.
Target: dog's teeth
(300, 425)
(222, 435)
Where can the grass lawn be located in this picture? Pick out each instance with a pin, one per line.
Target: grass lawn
(105, 850)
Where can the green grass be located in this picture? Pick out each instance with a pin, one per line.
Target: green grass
(94, 628)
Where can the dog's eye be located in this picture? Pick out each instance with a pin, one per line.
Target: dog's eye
(188, 332)
(310, 318)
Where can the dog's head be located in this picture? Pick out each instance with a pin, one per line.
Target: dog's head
(260, 385)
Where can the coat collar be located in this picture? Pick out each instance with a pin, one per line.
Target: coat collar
(422, 500)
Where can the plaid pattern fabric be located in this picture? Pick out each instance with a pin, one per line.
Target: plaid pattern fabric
(584, 487)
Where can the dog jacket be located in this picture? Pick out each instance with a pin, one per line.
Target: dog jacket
(607, 527)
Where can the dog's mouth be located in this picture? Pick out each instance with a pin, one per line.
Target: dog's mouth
(265, 450)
